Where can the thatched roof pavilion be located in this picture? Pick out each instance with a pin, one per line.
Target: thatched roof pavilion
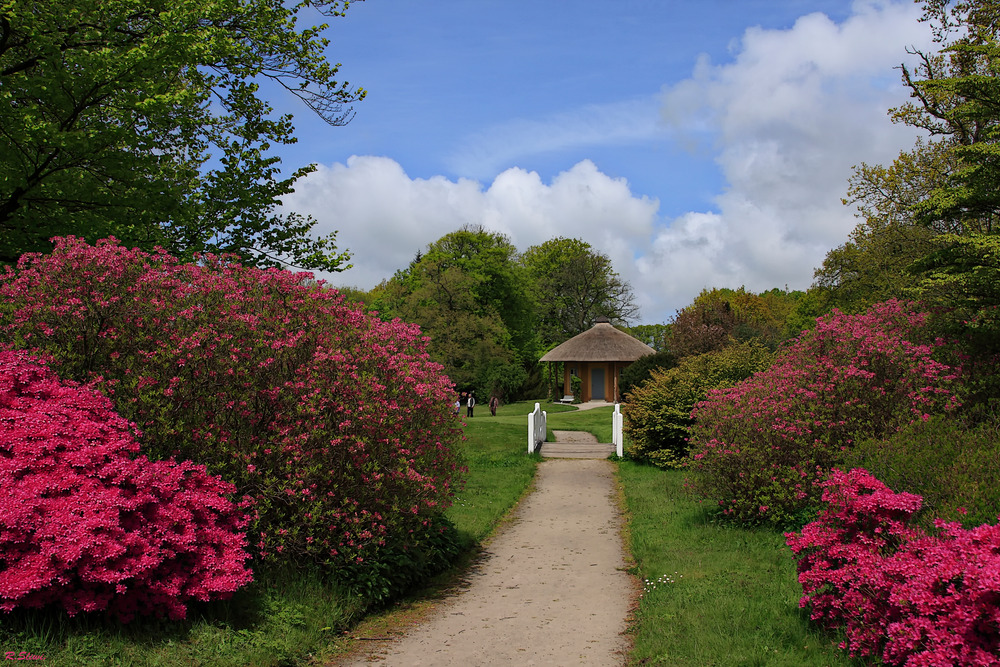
(597, 356)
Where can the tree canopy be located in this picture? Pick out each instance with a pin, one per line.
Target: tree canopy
(575, 285)
(929, 224)
(718, 318)
(956, 95)
(491, 311)
(146, 121)
(471, 298)
(943, 187)
(872, 266)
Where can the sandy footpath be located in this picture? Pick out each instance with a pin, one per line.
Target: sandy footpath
(551, 590)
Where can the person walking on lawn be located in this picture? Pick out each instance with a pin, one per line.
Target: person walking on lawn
(471, 404)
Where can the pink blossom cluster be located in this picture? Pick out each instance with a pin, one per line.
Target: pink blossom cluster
(763, 446)
(88, 524)
(334, 421)
(897, 592)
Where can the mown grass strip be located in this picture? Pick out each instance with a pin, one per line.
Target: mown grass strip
(713, 594)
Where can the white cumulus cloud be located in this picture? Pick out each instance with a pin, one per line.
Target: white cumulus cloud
(787, 117)
(384, 217)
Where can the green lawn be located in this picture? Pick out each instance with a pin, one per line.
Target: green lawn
(594, 420)
(714, 594)
(499, 469)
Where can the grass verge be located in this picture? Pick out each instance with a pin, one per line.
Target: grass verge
(713, 594)
(280, 619)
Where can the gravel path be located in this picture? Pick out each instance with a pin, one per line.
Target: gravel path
(551, 591)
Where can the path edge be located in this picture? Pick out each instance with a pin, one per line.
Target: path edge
(406, 614)
(631, 566)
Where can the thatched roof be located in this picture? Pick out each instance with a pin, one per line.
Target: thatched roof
(602, 342)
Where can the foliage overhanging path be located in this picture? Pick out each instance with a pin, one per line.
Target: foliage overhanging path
(551, 589)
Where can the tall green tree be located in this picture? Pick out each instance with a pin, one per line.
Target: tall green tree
(145, 120)
(929, 218)
(653, 335)
(472, 299)
(873, 265)
(956, 96)
(962, 279)
(720, 317)
(575, 285)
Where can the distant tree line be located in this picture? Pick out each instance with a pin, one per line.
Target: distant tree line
(491, 311)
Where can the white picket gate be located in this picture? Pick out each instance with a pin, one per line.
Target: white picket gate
(536, 428)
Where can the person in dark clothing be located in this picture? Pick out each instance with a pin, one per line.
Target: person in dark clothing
(471, 403)
(494, 404)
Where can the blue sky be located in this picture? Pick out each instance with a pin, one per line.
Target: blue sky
(698, 143)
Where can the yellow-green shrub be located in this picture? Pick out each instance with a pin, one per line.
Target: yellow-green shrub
(658, 412)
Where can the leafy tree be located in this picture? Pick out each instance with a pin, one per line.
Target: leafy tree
(873, 266)
(962, 277)
(956, 95)
(654, 335)
(471, 298)
(956, 98)
(575, 285)
(808, 306)
(145, 121)
(719, 317)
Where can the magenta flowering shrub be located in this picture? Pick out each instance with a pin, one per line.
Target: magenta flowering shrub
(895, 591)
(761, 448)
(335, 422)
(87, 524)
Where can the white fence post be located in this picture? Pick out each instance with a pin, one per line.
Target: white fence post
(617, 437)
(536, 428)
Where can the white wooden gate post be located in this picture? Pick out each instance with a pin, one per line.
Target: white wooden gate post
(537, 428)
(617, 438)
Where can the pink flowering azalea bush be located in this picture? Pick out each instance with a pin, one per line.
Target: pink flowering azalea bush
(87, 524)
(762, 447)
(336, 423)
(909, 597)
